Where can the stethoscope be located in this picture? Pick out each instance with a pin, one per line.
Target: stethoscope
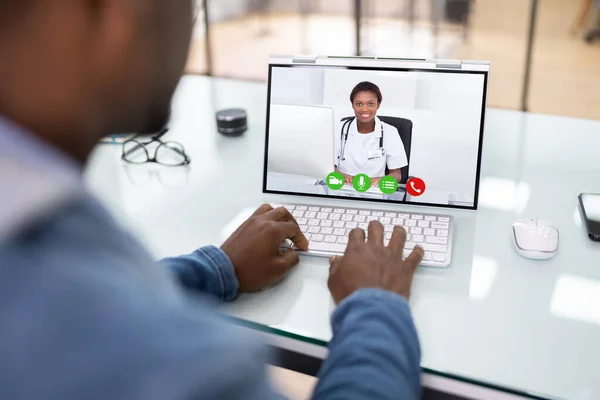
(344, 139)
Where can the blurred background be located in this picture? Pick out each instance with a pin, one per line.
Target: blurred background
(545, 54)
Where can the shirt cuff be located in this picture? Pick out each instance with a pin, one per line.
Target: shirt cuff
(220, 262)
(366, 297)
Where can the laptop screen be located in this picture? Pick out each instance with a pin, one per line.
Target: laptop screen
(376, 131)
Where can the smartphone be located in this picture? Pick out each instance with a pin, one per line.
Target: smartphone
(590, 211)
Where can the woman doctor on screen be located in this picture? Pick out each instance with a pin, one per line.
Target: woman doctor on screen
(366, 145)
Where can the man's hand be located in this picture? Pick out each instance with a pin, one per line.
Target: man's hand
(254, 248)
(372, 265)
(375, 181)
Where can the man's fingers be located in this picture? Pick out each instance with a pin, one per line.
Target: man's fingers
(415, 258)
(287, 260)
(279, 214)
(356, 237)
(262, 210)
(291, 230)
(376, 233)
(334, 262)
(398, 239)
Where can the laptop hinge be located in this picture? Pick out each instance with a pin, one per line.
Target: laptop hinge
(305, 60)
(454, 64)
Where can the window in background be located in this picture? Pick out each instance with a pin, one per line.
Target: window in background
(198, 58)
(244, 33)
(459, 29)
(565, 74)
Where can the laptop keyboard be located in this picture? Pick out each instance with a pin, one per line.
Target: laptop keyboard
(327, 230)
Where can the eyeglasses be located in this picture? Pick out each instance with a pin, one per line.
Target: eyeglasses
(135, 151)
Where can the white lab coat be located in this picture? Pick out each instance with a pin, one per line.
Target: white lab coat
(362, 154)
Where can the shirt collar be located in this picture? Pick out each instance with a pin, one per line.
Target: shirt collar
(35, 177)
(376, 133)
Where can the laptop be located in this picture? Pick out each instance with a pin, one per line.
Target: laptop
(405, 132)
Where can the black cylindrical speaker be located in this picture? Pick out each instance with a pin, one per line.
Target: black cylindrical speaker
(232, 122)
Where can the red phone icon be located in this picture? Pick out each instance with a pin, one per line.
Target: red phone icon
(415, 187)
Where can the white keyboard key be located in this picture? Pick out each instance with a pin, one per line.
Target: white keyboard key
(327, 210)
(440, 225)
(369, 219)
(351, 225)
(303, 228)
(398, 221)
(352, 212)
(430, 218)
(359, 218)
(442, 232)
(301, 208)
(301, 221)
(443, 219)
(377, 214)
(339, 210)
(410, 222)
(348, 232)
(436, 248)
(427, 256)
(418, 238)
(323, 215)
(363, 225)
(408, 239)
(328, 247)
(316, 238)
(364, 212)
(439, 257)
(330, 239)
(314, 229)
(437, 240)
(429, 232)
(389, 228)
(335, 217)
(310, 214)
(386, 242)
(347, 217)
(404, 216)
(313, 222)
(416, 231)
(416, 216)
(339, 232)
(314, 208)
(298, 214)
(385, 220)
(388, 235)
(423, 224)
(343, 240)
(338, 224)
(327, 223)
(307, 236)
(409, 245)
(289, 207)
(390, 215)
(327, 231)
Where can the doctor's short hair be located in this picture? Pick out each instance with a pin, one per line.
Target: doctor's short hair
(366, 86)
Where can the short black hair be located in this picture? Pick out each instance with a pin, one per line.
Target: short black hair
(366, 87)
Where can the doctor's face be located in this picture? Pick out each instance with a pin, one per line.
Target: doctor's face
(365, 106)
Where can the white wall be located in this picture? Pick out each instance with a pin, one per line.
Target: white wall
(445, 110)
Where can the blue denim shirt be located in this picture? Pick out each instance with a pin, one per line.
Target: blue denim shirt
(87, 314)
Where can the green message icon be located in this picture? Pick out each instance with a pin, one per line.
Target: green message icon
(335, 181)
(388, 184)
(361, 183)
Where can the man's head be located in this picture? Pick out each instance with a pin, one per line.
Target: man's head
(366, 99)
(73, 71)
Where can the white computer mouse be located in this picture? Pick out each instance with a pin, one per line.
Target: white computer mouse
(535, 239)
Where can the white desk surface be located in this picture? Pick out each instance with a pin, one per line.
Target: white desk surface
(492, 316)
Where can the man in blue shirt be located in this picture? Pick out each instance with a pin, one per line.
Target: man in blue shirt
(85, 313)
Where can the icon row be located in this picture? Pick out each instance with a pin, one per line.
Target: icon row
(387, 184)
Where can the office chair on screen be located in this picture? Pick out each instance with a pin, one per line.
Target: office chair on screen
(404, 127)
